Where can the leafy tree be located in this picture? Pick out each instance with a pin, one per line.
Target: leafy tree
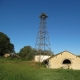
(26, 53)
(5, 45)
(45, 52)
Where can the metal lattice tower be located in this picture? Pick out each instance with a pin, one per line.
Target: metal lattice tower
(42, 41)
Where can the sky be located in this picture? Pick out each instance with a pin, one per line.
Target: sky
(19, 20)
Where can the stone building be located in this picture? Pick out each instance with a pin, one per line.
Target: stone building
(65, 60)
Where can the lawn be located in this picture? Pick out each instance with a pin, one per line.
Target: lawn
(29, 70)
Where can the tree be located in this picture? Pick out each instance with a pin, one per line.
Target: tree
(45, 52)
(26, 53)
(5, 45)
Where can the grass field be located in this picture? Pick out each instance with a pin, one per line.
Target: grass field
(29, 70)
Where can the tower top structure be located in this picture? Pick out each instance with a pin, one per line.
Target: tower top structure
(43, 16)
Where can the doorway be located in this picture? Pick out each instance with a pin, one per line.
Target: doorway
(66, 64)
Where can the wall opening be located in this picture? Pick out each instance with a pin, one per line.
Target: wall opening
(46, 62)
(66, 61)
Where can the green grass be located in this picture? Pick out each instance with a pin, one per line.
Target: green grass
(29, 70)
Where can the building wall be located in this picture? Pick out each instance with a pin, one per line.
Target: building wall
(56, 62)
(40, 58)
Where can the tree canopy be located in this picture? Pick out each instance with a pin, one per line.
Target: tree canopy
(5, 45)
(27, 52)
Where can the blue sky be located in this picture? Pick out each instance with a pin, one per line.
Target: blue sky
(19, 19)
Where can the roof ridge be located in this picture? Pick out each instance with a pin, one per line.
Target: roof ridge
(60, 53)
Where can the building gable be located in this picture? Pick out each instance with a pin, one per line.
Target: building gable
(65, 53)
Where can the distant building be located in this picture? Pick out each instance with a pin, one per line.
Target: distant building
(65, 60)
(41, 58)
